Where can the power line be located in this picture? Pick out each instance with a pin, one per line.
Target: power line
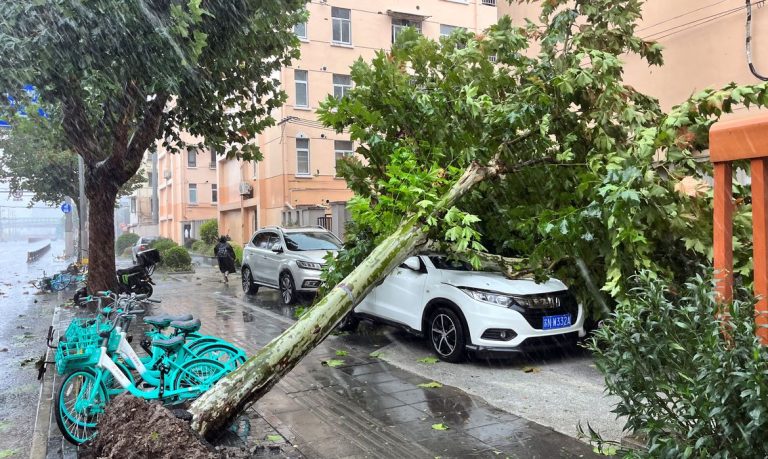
(693, 24)
(680, 16)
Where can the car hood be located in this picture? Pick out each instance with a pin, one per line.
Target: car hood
(498, 283)
(315, 255)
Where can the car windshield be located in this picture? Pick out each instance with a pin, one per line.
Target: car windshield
(311, 241)
(442, 262)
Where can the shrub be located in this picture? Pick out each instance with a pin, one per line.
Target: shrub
(689, 389)
(203, 248)
(189, 243)
(177, 259)
(124, 241)
(162, 244)
(238, 253)
(209, 231)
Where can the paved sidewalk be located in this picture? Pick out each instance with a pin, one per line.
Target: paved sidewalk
(363, 408)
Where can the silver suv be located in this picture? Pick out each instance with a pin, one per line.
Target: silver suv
(288, 259)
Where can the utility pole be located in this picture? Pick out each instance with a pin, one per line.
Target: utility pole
(68, 237)
(83, 233)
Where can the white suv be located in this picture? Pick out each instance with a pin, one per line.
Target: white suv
(288, 259)
(458, 309)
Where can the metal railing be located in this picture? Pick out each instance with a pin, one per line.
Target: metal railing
(325, 222)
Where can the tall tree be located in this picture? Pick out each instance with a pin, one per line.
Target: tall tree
(128, 73)
(34, 157)
(455, 144)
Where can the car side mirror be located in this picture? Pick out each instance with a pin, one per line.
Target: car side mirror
(277, 248)
(412, 263)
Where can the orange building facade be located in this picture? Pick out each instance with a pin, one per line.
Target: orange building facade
(296, 182)
(187, 192)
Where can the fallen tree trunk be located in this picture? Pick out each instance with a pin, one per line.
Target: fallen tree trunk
(262, 371)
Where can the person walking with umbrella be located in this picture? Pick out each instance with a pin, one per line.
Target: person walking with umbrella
(226, 257)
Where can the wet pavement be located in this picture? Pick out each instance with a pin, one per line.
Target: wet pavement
(25, 317)
(363, 408)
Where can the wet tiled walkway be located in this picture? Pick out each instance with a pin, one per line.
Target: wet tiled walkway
(363, 408)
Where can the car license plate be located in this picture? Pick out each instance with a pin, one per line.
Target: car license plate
(552, 322)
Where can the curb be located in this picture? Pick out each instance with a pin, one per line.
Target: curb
(39, 447)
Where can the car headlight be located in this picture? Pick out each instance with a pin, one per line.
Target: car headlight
(496, 299)
(309, 265)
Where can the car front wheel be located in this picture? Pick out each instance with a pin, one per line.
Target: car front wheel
(248, 286)
(446, 335)
(287, 289)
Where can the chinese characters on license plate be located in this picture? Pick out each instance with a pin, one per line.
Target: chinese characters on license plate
(550, 322)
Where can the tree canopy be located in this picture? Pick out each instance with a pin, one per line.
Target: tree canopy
(125, 74)
(594, 200)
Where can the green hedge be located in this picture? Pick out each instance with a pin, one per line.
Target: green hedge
(209, 231)
(177, 259)
(203, 248)
(124, 241)
(162, 244)
(689, 388)
(238, 253)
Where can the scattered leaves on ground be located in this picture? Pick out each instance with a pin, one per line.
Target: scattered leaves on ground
(7, 453)
(274, 438)
(375, 354)
(605, 450)
(431, 385)
(531, 370)
(429, 360)
(341, 353)
(333, 363)
(440, 426)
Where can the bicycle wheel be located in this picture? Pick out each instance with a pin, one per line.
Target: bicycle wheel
(60, 281)
(113, 385)
(198, 375)
(79, 404)
(230, 356)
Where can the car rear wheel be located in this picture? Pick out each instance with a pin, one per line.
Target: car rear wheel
(446, 335)
(287, 289)
(248, 286)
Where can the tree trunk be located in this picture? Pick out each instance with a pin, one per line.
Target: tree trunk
(101, 232)
(262, 371)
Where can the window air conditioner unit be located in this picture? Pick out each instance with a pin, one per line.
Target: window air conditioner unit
(245, 188)
(167, 175)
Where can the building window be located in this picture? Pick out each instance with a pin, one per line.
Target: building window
(399, 24)
(446, 29)
(341, 84)
(133, 204)
(300, 30)
(302, 156)
(342, 25)
(214, 193)
(192, 193)
(191, 157)
(342, 149)
(149, 178)
(302, 88)
(489, 2)
(212, 165)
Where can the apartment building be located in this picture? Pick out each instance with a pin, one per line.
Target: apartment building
(296, 183)
(704, 45)
(187, 189)
(140, 216)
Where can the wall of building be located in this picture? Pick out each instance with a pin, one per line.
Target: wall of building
(704, 45)
(277, 182)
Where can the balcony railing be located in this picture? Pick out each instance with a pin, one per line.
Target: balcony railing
(489, 2)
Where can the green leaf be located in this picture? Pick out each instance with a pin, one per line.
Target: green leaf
(431, 385)
(375, 354)
(333, 363)
(275, 438)
(429, 360)
(341, 353)
(440, 426)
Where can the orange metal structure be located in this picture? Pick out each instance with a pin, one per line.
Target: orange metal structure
(730, 141)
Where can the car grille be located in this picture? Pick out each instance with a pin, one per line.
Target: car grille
(535, 307)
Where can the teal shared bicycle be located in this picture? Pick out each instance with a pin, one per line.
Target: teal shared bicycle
(97, 358)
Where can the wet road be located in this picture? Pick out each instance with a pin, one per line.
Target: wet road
(24, 320)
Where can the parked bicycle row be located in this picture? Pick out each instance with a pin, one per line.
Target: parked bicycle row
(98, 362)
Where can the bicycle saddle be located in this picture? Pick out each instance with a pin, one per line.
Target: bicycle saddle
(186, 326)
(170, 344)
(164, 320)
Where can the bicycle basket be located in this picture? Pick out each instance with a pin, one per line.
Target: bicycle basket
(81, 345)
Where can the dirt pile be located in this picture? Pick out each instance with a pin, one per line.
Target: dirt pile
(133, 428)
